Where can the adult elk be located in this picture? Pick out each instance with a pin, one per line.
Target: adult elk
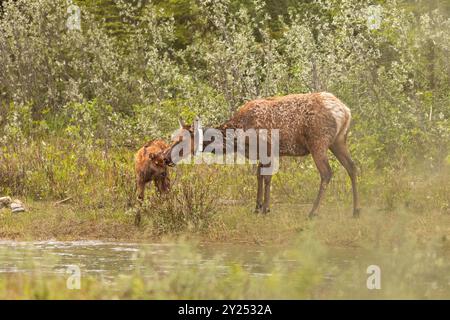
(308, 124)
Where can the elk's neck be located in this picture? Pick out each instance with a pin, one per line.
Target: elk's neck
(225, 139)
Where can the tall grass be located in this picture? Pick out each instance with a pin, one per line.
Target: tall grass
(90, 163)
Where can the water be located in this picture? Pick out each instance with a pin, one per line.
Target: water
(109, 259)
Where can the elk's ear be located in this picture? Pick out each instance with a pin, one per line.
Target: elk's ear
(197, 123)
(198, 135)
(181, 122)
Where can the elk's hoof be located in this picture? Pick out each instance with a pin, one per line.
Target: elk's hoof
(258, 208)
(312, 215)
(265, 210)
(356, 213)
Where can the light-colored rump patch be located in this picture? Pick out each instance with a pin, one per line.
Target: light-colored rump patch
(340, 112)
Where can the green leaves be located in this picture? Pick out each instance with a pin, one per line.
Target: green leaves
(133, 69)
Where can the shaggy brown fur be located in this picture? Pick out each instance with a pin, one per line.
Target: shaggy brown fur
(307, 123)
(150, 166)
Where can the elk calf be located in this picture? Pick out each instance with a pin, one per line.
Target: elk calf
(150, 166)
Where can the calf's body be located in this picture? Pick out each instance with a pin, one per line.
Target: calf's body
(150, 166)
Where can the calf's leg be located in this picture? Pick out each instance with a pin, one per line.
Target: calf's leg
(140, 186)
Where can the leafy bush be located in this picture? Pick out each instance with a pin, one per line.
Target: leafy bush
(190, 206)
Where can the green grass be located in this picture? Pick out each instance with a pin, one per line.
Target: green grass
(232, 224)
(215, 203)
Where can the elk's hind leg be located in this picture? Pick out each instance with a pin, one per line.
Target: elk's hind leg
(340, 150)
(321, 160)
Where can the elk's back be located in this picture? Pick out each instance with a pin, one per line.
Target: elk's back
(303, 120)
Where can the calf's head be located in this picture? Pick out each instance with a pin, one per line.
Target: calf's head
(157, 164)
(159, 170)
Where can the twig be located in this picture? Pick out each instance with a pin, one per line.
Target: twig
(63, 200)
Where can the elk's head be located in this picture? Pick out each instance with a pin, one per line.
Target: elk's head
(183, 143)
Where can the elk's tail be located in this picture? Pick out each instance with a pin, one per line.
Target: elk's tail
(346, 126)
(340, 112)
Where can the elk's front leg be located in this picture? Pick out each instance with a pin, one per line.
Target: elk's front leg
(266, 206)
(259, 194)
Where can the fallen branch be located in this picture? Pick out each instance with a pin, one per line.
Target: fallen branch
(63, 200)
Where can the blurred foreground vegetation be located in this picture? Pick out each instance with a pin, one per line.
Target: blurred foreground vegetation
(307, 270)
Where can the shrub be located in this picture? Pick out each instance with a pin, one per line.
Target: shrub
(190, 205)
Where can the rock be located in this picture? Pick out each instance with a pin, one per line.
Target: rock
(17, 206)
(5, 201)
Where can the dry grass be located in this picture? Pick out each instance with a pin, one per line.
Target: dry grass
(335, 227)
(215, 204)
(45, 220)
